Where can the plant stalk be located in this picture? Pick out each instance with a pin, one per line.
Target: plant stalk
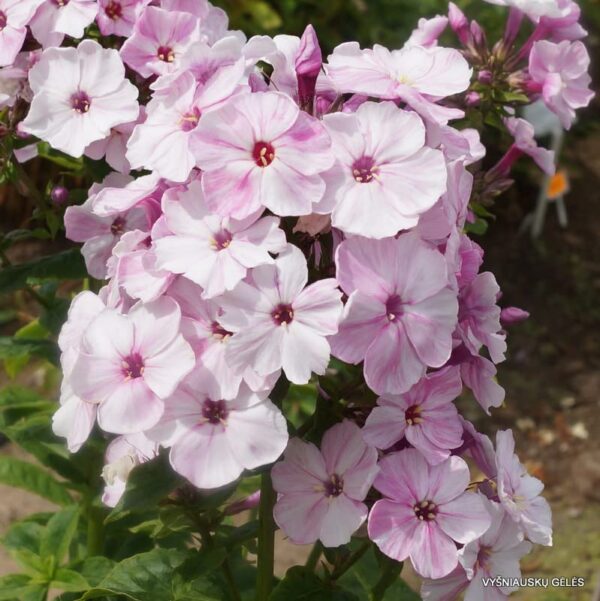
(266, 539)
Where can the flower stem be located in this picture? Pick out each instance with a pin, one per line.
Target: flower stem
(354, 557)
(266, 539)
(313, 558)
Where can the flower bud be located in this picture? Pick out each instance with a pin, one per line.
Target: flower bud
(485, 77)
(308, 66)
(59, 195)
(473, 98)
(459, 23)
(512, 315)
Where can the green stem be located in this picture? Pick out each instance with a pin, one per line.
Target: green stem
(346, 565)
(389, 575)
(95, 531)
(266, 539)
(313, 558)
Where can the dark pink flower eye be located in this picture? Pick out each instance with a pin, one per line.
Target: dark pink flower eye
(426, 511)
(263, 154)
(81, 102)
(215, 412)
(3, 20)
(283, 314)
(334, 487)
(165, 54)
(133, 366)
(365, 170)
(114, 10)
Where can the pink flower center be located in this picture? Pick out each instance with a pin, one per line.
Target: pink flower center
(334, 487)
(3, 20)
(219, 332)
(165, 54)
(222, 240)
(413, 415)
(113, 10)
(133, 366)
(394, 308)
(60, 2)
(118, 226)
(426, 511)
(81, 102)
(190, 119)
(283, 314)
(364, 170)
(263, 154)
(214, 412)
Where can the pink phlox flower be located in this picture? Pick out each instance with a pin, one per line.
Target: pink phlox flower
(425, 416)
(55, 19)
(479, 317)
(560, 71)
(536, 9)
(213, 251)
(15, 15)
(135, 268)
(321, 492)
(381, 182)
(450, 212)
(464, 257)
(400, 313)
(425, 512)
(123, 454)
(479, 374)
(144, 190)
(214, 21)
(159, 40)
(163, 141)
(118, 17)
(525, 142)
(75, 417)
(418, 76)
(495, 554)
(519, 492)
(258, 150)
(213, 439)
(113, 149)
(428, 31)
(280, 322)
(464, 145)
(100, 233)
(202, 328)
(79, 95)
(129, 364)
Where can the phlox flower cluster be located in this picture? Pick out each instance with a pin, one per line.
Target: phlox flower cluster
(262, 221)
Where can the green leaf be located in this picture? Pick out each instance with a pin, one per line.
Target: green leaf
(301, 584)
(65, 265)
(13, 585)
(95, 569)
(15, 348)
(144, 577)
(69, 580)
(27, 476)
(24, 535)
(147, 485)
(373, 580)
(59, 532)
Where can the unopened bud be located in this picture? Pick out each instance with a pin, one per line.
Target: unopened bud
(512, 315)
(459, 23)
(308, 66)
(485, 77)
(473, 98)
(59, 195)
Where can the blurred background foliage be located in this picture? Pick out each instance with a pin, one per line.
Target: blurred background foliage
(387, 22)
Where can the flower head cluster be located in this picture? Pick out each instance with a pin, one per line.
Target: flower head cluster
(260, 221)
